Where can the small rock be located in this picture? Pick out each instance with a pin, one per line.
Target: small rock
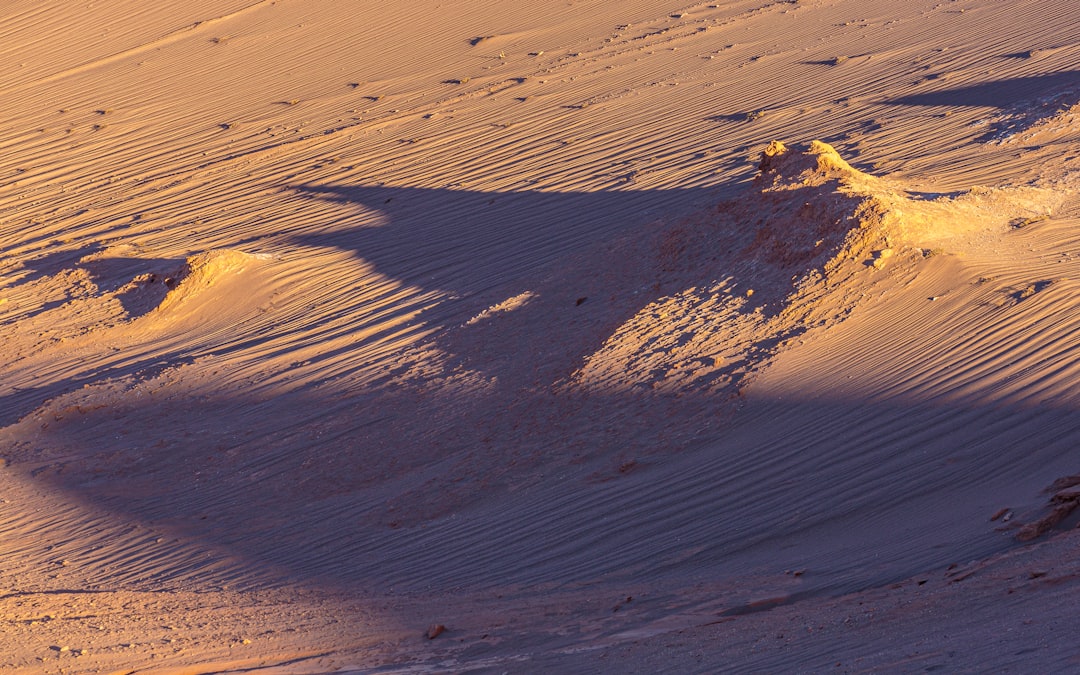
(434, 631)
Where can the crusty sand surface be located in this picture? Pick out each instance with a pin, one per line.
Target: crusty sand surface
(575, 336)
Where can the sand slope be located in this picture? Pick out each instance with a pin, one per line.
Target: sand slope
(617, 337)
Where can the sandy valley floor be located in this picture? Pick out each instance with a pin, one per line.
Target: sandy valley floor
(552, 336)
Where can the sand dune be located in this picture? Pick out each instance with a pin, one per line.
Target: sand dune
(551, 337)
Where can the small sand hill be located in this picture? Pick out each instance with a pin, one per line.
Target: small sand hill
(113, 286)
(802, 244)
(117, 304)
(811, 201)
(810, 209)
(114, 293)
(199, 274)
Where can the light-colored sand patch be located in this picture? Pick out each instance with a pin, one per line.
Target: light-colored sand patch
(508, 305)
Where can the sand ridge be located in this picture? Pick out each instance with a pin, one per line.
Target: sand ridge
(626, 337)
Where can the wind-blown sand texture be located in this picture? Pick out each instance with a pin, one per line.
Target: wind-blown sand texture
(577, 336)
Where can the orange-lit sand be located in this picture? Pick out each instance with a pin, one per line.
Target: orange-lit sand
(609, 336)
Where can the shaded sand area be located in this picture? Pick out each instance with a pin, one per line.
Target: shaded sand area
(539, 337)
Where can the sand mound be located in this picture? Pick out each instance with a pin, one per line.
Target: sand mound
(813, 165)
(118, 302)
(748, 276)
(795, 252)
(809, 194)
(110, 287)
(811, 209)
(202, 272)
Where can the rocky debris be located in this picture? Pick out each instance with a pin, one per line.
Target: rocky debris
(1064, 499)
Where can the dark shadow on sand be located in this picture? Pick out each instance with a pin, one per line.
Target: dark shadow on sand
(996, 94)
(466, 242)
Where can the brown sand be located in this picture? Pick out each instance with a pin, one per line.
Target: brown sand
(539, 337)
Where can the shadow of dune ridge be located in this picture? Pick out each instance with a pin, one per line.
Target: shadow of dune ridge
(467, 242)
(334, 492)
(996, 94)
(52, 263)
